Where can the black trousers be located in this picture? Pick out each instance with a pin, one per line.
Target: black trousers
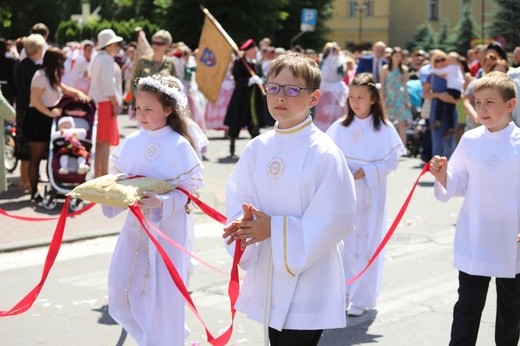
(426, 143)
(467, 311)
(291, 337)
(251, 128)
(447, 109)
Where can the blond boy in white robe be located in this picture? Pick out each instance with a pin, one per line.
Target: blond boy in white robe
(484, 169)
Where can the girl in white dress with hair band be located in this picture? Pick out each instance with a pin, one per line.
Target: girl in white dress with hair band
(372, 147)
(142, 296)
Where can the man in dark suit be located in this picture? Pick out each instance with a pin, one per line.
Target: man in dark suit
(247, 107)
(372, 63)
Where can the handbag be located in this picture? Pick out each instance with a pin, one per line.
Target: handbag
(427, 105)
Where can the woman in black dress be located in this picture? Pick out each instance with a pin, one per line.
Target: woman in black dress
(46, 92)
(34, 45)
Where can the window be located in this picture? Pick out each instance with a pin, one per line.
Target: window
(352, 8)
(360, 7)
(433, 9)
(369, 4)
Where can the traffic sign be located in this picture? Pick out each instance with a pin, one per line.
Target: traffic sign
(308, 20)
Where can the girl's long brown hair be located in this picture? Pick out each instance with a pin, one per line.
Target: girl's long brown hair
(367, 80)
(396, 50)
(53, 65)
(177, 119)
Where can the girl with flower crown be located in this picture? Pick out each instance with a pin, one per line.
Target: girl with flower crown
(372, 147)
(142, 297)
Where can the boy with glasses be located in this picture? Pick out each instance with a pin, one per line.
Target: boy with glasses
(291, 201)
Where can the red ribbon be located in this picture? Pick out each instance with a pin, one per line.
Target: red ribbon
(184, 250)
(392, 228)
(234, 283)
(233, 288)
(54, 247)
(204, 207)
(26, 218)
(25, 304)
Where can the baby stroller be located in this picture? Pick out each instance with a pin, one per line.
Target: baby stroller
(10, 159)
(414, 133)
(63, 180)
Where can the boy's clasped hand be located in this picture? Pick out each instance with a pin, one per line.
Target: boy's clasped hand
(253, 227)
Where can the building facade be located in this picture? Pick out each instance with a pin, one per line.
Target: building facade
(362, 22)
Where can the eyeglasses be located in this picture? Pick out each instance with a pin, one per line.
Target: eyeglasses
(288, 90)
(157, 43)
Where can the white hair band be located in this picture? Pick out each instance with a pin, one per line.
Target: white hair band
(173, 92)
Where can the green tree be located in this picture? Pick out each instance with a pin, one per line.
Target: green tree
(442, 37)
(70, 30)
(241, 19)
(276, 19)
(5, 17)
(125, 10)
(423, 38)
(506, 22)
(67, 31)
(464, 32)
(109, 8)
(24, 14)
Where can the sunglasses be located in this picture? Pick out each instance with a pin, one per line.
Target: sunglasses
(439, 60)
(157, 43)
(288, 90)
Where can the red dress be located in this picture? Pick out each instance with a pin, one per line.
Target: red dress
(107, 126)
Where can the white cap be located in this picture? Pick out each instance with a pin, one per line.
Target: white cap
(87, 43)
(66, 119)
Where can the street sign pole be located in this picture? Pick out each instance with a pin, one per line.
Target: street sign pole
(308, 20)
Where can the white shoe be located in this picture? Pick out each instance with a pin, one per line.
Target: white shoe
(63, 170)
(355, 311)
(82, 169)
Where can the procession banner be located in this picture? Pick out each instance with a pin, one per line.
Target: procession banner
(213, 58)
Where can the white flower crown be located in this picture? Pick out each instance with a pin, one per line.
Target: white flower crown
(173, 92)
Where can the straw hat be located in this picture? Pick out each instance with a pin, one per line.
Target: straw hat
(107, 37)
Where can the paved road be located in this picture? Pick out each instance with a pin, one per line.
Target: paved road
(419, 284)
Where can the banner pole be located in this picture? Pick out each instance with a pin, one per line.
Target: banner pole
(232, 44)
